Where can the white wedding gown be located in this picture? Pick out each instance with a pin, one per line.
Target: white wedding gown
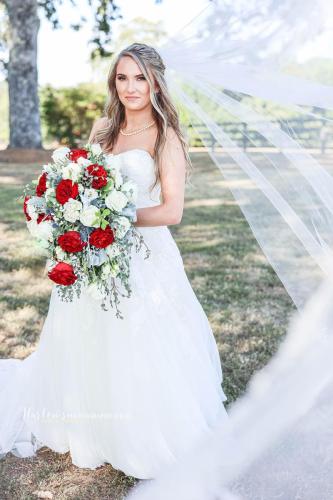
(133, 392)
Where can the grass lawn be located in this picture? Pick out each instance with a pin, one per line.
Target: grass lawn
(245, 302)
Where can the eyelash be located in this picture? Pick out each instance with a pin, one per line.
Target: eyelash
(140, 78)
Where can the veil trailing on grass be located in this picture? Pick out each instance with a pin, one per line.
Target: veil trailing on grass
(231, 69)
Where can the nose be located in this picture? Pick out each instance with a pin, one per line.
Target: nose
(131, 86)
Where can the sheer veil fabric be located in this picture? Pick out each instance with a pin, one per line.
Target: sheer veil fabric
(231, 61)
(234, 50)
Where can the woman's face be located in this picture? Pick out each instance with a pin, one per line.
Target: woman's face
(131, 85)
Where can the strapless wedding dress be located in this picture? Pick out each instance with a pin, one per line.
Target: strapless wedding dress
(133, 392)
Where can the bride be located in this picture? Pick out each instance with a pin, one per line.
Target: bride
(136, 392)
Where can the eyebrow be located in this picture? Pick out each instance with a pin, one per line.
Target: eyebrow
(123, 74)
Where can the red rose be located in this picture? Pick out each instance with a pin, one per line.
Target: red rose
(101, 238)
(62, 274)
(25, 209)
(75, 154)
(41, 186)
(43, 217)
(100, 175)
(65, 190)
(71, 242)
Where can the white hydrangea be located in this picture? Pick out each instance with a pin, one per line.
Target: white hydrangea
(88, 195)
(88, 215)
(131, 190)
(72, 209)
(35, 205)
(60, 154)
(116, 200)
(72, 171)
(95, 149)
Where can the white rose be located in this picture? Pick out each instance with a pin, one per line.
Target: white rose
(83, 162)
(96, 149)
(43, 230)
(113, 250)
(88, 215)
(71, 171)
(72, 210)
(131, 190)
(116, 200)
(60, 154)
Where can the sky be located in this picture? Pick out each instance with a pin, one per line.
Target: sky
(63, 55)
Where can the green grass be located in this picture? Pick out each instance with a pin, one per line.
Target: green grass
(244, 300)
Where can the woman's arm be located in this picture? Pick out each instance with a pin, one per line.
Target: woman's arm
(173, 168)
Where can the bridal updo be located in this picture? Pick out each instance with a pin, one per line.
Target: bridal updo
(164, 111)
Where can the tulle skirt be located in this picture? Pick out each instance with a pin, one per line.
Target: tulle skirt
(133, 392)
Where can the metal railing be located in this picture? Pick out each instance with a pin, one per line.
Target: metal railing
(310, 132)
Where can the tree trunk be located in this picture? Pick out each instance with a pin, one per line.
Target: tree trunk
(24, 118)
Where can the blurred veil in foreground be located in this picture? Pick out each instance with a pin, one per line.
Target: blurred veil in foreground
(230, 68)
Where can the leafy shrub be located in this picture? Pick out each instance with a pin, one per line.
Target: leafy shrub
(68, 113)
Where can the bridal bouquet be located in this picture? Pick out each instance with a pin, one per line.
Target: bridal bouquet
(81, 210)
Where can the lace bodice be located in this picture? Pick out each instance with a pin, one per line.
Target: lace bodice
(139, 166)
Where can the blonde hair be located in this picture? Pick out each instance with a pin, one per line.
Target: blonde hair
(164, 111)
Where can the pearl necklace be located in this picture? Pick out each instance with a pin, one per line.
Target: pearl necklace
(138, 131)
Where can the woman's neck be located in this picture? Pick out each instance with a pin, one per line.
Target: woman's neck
(137, 119)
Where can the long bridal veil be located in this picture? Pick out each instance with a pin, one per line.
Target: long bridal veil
(231, 69)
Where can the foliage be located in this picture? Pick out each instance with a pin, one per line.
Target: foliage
(105, 13)
(68, 113)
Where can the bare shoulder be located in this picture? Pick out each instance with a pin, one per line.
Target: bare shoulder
(173, 142)
(173, 155)
(171, 135)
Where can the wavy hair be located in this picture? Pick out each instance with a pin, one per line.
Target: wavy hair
(164, 111)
